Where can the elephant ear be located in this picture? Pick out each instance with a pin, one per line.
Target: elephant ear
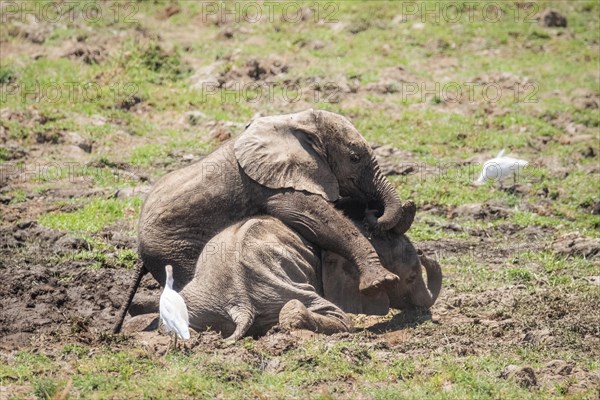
(286, 152)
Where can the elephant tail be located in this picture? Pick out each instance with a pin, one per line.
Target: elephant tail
(132, 290)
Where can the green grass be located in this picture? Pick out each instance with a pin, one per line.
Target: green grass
(100, 254)
(152, 60)
(92, 216)
(345, 365)
(7, 75)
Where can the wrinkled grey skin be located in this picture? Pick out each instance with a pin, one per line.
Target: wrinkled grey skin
(292, 167)
(259, 272)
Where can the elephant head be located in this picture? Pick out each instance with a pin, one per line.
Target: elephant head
(318, 152)
(398, 255)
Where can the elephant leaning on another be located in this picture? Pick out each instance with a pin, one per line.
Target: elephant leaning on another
(259, 272)
(292, 167)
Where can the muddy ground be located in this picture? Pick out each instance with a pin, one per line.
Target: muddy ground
(48, 299)
(53, 292)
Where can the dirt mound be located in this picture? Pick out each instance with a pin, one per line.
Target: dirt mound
(574, 244)
(13, 152)
(263, 69)
(584, 99)
(487, 211)
(87, 54)
(524, 376)
(394, 161)
(255, 72)
(33, 32)
(28, 117)
(552, 19)
(505, 80)
(392, 80)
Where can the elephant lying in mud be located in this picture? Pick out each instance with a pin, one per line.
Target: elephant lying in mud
(259, 272)
(292, 167)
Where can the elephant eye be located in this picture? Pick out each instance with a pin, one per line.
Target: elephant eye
(355, 158)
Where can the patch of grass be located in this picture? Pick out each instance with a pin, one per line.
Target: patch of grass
(4, 154)
(158, 154)
(553, 263)
(15, 130)
(76, 350)
(99, 254)
(44, 388)
(18, 196)
(474, 274)
(526, 218)
(156, 59)
(431, 228)
(25, 366)
(147, 63)
(147, 155)
(519, 275)
(316, 370)
(7, 75)
(127, 258)
(95, 215)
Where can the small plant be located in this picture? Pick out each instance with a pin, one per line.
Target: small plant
(127, 258)
(436, 100)
(74, 349)
(44, 388)
(158, 60)
(519, 275)
(4, 154)
(7, 75)
(18, 196)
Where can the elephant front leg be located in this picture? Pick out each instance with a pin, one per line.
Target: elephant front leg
(319, 222)
(295, 315)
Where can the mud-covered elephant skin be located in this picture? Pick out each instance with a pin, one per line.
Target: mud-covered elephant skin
(259, 272)
(292, 167)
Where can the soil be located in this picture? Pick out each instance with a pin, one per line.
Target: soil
(48, 299)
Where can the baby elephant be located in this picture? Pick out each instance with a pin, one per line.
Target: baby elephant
(259, 272)
(292, 167)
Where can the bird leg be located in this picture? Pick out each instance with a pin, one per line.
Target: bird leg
(172, 342)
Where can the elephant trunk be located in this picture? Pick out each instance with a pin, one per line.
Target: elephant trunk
(385, 194)
(422, 295)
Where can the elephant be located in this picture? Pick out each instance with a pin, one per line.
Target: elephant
(293, 167)
(259, 272)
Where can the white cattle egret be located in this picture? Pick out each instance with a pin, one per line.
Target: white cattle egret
(499, 167)
(173, 311)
